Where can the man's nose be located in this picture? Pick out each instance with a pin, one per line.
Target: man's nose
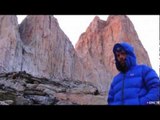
(121, 57)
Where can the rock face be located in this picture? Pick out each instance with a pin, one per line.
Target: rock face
(47, 51)
(10, 44)
(96, 44)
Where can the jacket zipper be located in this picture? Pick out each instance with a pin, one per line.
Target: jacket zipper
(123, 89)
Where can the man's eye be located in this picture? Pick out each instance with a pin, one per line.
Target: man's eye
(118, 55)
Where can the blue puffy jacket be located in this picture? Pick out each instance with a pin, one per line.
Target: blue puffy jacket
(139, 85)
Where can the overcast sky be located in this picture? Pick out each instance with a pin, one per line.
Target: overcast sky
(146, 26)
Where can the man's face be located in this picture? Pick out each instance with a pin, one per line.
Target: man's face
(121, 56)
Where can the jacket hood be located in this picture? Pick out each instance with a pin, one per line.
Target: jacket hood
(130, 58)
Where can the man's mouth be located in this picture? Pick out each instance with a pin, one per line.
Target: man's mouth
(122, 62)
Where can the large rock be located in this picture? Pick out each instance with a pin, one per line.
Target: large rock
(47, 51)
(96, 44)
(10, 44)
(21, 88)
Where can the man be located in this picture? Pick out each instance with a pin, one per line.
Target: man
(134, 84)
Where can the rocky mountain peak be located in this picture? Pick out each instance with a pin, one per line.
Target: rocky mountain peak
(10, 44)
(96, 25)
(96, 44)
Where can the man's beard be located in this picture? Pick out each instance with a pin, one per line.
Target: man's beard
(121, 66)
